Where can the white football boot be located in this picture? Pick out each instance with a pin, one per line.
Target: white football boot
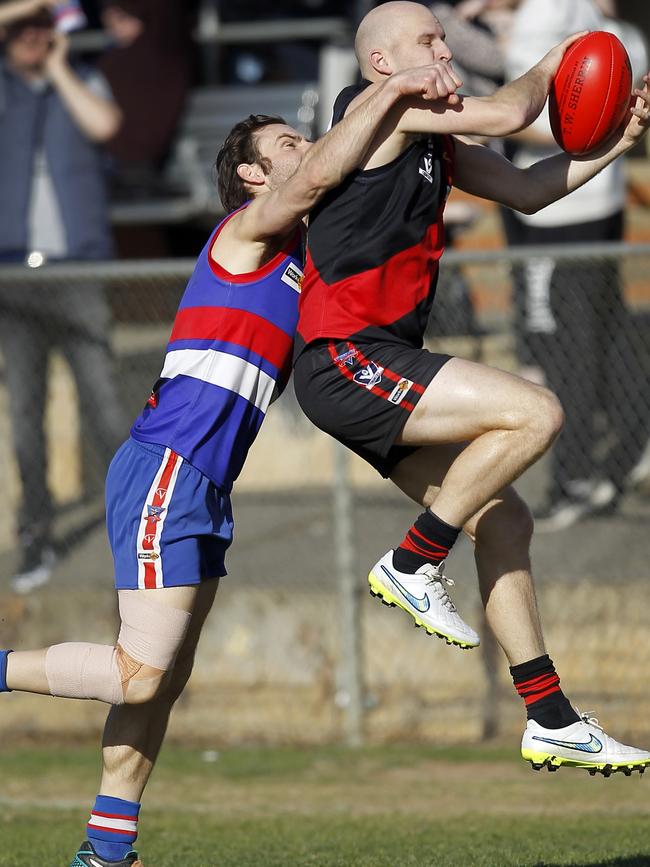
(583, 744)
(424, 596)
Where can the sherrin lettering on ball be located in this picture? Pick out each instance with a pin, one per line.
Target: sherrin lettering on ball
(591, 93)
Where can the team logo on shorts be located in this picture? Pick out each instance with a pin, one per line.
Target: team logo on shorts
(347, 357)
(369, 376)
(148, 555)
(399, 392)
(154, 513)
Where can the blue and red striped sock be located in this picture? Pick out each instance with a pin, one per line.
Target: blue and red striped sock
(538, 684)
(428, 541)
(113, 827)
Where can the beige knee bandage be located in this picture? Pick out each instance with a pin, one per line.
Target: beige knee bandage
(151, 634)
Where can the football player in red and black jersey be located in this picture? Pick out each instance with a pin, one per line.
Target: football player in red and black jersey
(452, 434)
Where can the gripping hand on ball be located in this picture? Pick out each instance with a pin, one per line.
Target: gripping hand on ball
(550, 63)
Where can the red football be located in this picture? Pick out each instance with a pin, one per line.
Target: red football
(591, 92)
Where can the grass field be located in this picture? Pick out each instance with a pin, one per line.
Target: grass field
(376, 807)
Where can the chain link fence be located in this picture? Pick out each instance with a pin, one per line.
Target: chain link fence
(296, 650)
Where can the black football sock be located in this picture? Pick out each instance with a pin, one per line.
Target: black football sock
(428, 541)
(538, 684)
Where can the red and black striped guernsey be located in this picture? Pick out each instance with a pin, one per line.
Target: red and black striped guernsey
(373, 246)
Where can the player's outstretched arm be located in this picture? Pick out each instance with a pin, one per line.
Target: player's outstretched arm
(484, 173)
(337, 153)
(508, 110)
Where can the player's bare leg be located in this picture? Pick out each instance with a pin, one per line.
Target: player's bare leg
(132, 739)
(508, 422)
(501, 531)
(151, 659)
(505, 423)
(134, 734)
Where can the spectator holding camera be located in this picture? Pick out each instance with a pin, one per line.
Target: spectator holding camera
(54, 114)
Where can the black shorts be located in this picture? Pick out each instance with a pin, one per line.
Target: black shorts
(362, 393)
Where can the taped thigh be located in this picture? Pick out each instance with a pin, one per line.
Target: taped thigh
(151, 633)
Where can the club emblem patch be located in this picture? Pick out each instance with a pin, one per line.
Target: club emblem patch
(427, 169)
(369, 376)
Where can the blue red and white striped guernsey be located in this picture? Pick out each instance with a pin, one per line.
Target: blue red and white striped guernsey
(228, 356)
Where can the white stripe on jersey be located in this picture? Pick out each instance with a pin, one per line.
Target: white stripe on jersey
(222, 369)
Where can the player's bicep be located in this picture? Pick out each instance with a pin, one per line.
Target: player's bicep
(485, 173)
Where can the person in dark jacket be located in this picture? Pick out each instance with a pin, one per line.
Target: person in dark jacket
(54, 115)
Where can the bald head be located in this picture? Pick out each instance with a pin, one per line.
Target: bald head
(398, 35)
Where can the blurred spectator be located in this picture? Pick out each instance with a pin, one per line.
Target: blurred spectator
(472, 34)
(53, 114)
(478, 59)
(572, 324)
(149, 72)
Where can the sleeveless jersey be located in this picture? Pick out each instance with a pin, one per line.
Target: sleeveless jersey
(228, 356)
(373, 246)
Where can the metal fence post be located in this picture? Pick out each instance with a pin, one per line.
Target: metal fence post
(350, 694)
(338, 68)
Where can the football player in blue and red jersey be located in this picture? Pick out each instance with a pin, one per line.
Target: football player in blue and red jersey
(452, 434)
(168, 487)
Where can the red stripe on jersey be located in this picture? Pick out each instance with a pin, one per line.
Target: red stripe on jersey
(234, 326)
(379, 296)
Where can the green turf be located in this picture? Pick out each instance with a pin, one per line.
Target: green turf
(378, 807)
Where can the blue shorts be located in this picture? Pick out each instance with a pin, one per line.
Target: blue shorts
(168, 524)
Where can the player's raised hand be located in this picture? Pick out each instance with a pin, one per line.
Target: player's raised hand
(637, 126)
(437, 81)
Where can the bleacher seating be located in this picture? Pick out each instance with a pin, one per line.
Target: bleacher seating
(210, 114)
